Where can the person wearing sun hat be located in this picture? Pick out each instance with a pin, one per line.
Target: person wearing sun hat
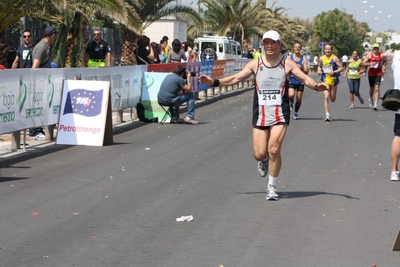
(271, 111)
(41, 53)
(376, 63)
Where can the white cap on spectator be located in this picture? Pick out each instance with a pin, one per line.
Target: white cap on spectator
(273, 35)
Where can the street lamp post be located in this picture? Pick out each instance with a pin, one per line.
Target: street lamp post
(355, 8)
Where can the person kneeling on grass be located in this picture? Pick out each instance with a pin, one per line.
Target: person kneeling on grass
(169, 92)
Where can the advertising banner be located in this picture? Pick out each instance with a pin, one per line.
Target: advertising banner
(151, 86)
(83, 113)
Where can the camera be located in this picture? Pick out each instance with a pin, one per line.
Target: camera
(192, 73)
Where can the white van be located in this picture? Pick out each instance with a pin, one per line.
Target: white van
(217, 48)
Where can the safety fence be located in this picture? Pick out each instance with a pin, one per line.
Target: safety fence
(31, 98)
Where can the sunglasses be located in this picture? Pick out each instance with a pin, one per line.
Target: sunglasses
(27, 36)
(97, 34)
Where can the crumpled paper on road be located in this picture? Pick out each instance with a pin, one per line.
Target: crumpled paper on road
(185, 218)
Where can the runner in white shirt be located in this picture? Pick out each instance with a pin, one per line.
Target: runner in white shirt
(395, 149)
(345, 59)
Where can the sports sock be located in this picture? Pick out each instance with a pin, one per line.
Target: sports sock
(297, 107)
(272, 180)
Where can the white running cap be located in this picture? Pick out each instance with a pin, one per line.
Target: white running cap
(273, 35)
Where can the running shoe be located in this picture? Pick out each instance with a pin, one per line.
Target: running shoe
(262, 167)
(295, 116)
(271, 193)
(328, 118)
(351, 106)
(191, 120)
(361, 99)
(375, 107)
(370, 103)
(395, 176)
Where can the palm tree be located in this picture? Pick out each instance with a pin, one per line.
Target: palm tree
(13, 10)
(243, 19)
(71, 18)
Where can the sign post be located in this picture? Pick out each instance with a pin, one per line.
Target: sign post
(322, 45)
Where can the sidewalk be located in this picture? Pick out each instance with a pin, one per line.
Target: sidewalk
(34, 144)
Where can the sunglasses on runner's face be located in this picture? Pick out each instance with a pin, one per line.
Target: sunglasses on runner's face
(27, 36)
(97, 34)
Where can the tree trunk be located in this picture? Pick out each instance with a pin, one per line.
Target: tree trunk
(128, 47)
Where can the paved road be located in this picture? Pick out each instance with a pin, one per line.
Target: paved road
(117, 205)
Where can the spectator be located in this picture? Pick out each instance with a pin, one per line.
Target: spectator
(345, 59)
(185, 49)
(308, 59)
(41, 55)
(189, 52)
(98, 52)
(250, 53)
(176, 55)
(316, 60)
(41, 52)
(144, 55)
(168, 47)
(156, 51)
(257, 53)
(162, 53)
(23, 58)
(169, 92)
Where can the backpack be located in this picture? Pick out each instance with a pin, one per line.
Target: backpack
(391, 99)
(140, 113)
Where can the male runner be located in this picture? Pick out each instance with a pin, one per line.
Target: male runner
(377, 68)
(271, 112)
(294, 84)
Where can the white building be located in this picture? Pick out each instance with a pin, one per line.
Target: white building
(393, 37)
(172, 27)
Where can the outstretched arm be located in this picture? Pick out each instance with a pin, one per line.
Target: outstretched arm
(291, 66)
(247, 71)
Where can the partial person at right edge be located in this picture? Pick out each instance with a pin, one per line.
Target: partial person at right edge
(169, 92)
(395, 148)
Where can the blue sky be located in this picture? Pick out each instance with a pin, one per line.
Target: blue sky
(379, 14)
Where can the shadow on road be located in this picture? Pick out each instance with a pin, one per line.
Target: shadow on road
(10, 179)
(300, 194)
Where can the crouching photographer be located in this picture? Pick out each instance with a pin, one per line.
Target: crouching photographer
(170, 89)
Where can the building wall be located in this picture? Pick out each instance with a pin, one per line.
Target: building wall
(171, 27)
